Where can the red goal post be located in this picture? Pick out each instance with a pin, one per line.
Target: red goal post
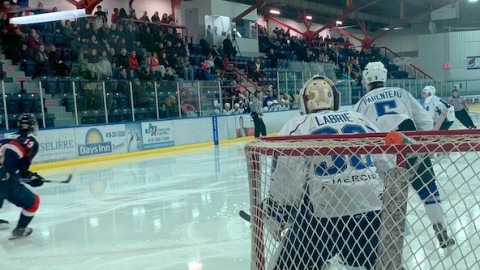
(406, 237)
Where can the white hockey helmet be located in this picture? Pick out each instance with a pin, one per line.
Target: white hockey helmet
(374, 72)
(319, 93)
(430, 90)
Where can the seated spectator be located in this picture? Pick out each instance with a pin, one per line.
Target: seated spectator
(122, 59)
(163, 61)
(56, 64)
(286, 97)
(169, 107)
(34, 41)
(237, 109)
(269, 96)
(104, 66)
(169, 75)
(155, 65)
(187, 109)
(140, 95)
(208, 76)
(210, 63)
(92, 65)
(23, 57)
(41, 60)
(146, 73)
(12, 43)
(132, 61)
(227, 109)
(189, 73)
(93, 43)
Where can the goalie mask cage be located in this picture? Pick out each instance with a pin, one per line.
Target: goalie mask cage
(406, 237)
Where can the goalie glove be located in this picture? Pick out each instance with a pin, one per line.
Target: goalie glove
(35, 179)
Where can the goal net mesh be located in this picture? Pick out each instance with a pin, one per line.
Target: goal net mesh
(337, 201)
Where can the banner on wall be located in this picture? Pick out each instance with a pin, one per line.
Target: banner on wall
(100, 140)
(56, 145)
(157, 134)
(244, 125)
(473, 62)
(133, 137)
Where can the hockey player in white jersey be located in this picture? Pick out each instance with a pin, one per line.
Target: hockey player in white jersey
(442, 114)
(393, 108)
(331, 203)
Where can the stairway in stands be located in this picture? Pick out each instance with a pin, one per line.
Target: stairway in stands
(15, 80)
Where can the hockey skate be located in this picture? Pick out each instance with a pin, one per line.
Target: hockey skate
(20, 232)
(442, 235)
(3, 224)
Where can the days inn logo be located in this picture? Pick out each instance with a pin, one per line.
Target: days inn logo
(94, 144)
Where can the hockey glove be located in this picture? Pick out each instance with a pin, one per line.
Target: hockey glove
(36, 180)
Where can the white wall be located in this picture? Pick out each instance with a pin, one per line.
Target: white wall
(454, 48)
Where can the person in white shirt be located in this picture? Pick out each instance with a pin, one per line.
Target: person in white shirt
(338, 194)
(227, 109)
(442, 114)
(395, 109)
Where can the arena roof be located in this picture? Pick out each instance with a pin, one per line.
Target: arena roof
(379, 14)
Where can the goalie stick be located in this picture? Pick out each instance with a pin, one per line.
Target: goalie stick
(244, 215)
(66, 181)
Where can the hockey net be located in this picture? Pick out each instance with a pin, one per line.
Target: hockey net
(289, 232)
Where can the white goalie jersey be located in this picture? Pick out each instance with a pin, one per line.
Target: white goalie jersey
(390, 106)
(334, 185)
(434, 107)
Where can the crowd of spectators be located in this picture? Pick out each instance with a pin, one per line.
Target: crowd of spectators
(151, 48)
(339, 51)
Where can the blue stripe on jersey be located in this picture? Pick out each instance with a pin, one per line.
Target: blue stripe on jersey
(295, 129)
(370, 128)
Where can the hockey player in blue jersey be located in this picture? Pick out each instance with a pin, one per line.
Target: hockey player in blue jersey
(338, 196)
(16, 154)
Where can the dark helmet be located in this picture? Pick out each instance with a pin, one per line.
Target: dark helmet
(28, 123)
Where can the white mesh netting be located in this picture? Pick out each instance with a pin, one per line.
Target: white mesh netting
(331, 202)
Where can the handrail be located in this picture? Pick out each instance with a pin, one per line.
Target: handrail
(415, 68)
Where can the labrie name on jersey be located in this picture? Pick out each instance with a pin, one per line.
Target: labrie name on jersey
(329, 177)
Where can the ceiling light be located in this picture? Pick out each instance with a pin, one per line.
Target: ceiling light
(308, 17)
(339, 22)
(274, 11)
(472, 1)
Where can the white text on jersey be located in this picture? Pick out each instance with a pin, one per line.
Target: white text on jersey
(381, 96)
(333, 118)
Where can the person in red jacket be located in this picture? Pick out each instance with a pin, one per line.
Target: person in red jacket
(132, 61)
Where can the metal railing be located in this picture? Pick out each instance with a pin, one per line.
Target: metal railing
(70, 102)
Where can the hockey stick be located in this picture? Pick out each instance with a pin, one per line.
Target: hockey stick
(244, 215)
(66, 181)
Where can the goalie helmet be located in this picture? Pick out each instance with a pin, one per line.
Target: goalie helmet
(430, 90)
(319, 93)
(374, 72)
(27, 123)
